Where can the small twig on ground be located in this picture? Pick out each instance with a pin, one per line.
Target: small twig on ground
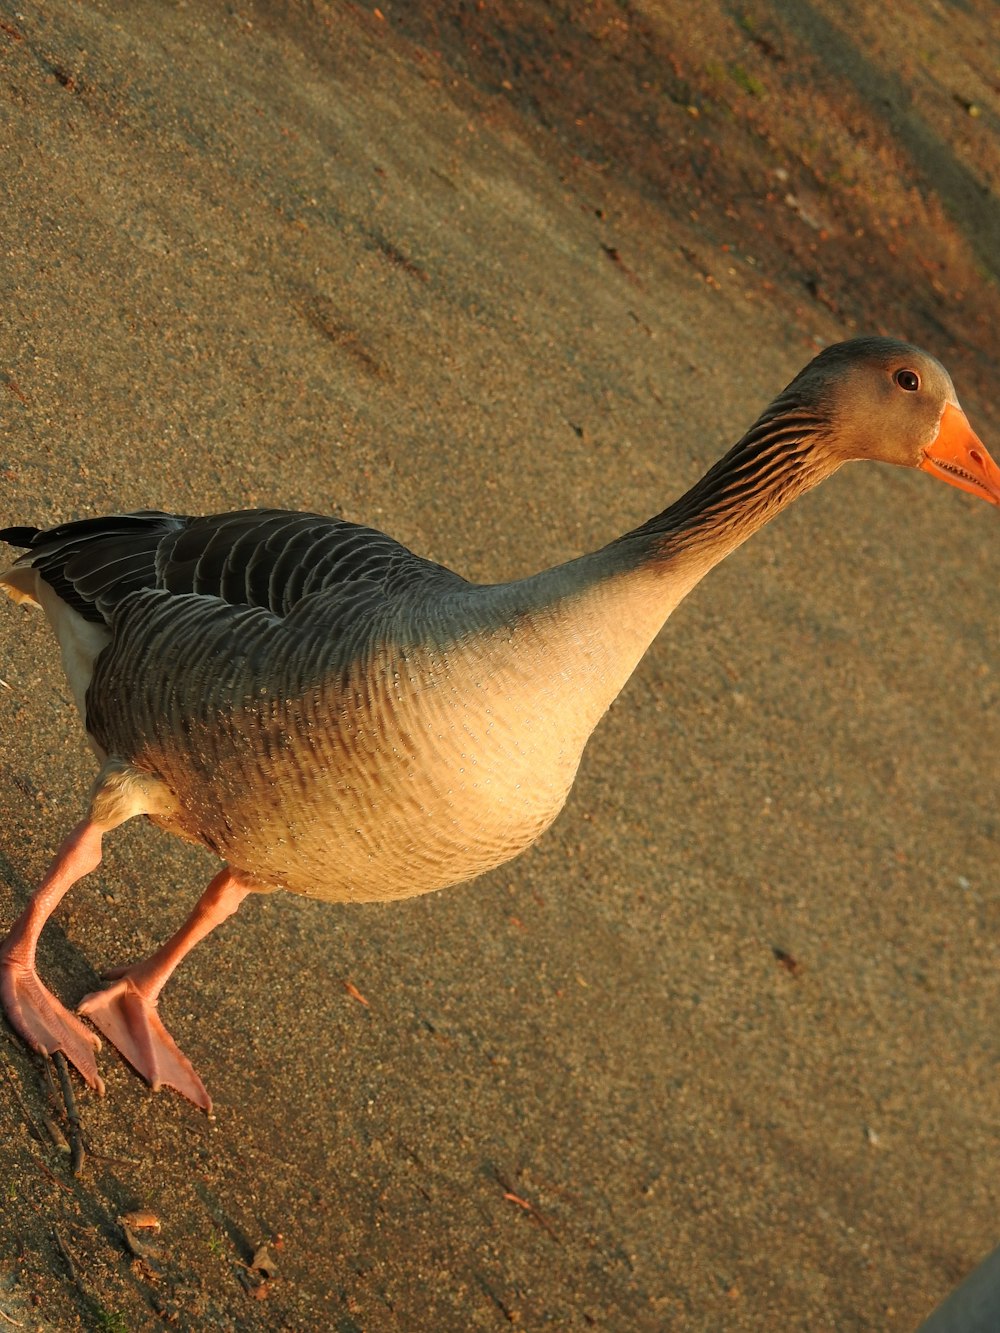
(355, 994)
(72, 1115)
(526, 1204)
(67, 1257)
(16, 1322)
(55, 1133)
(120, 1163)
(50, 1079)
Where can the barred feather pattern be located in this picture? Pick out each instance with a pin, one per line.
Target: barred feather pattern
(265, 558)
(779, 458)
(374, 752)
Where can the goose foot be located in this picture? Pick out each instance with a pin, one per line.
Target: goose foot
(47, 1026)
(130, 1022)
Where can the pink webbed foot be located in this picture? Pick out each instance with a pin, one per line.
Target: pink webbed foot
(46, 1025)
(130, 1022)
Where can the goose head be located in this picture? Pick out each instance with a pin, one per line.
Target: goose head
(893, 403)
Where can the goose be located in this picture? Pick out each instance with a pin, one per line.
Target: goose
(338, 717)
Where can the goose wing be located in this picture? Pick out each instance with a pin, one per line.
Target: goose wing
(269, 559)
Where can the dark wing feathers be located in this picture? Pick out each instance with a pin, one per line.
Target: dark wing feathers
(95, 557)
(21, 537)
(264, 558)
(284, 575)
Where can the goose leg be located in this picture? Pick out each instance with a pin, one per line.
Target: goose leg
(32, 1010)
(126, 1013)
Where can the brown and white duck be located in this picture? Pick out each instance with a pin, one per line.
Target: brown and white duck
(338, 717)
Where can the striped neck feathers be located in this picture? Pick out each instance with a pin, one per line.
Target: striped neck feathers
(787, 452)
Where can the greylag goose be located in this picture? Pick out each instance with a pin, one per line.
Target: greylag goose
(338, 717)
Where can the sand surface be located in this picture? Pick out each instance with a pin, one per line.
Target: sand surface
(722, 1051)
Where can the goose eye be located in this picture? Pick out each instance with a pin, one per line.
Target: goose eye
(908, 380)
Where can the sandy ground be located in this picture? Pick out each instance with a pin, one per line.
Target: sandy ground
(722, 1051)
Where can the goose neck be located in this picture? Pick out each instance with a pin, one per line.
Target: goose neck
(786, 453)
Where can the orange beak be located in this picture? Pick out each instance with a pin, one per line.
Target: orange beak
(958, 457)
